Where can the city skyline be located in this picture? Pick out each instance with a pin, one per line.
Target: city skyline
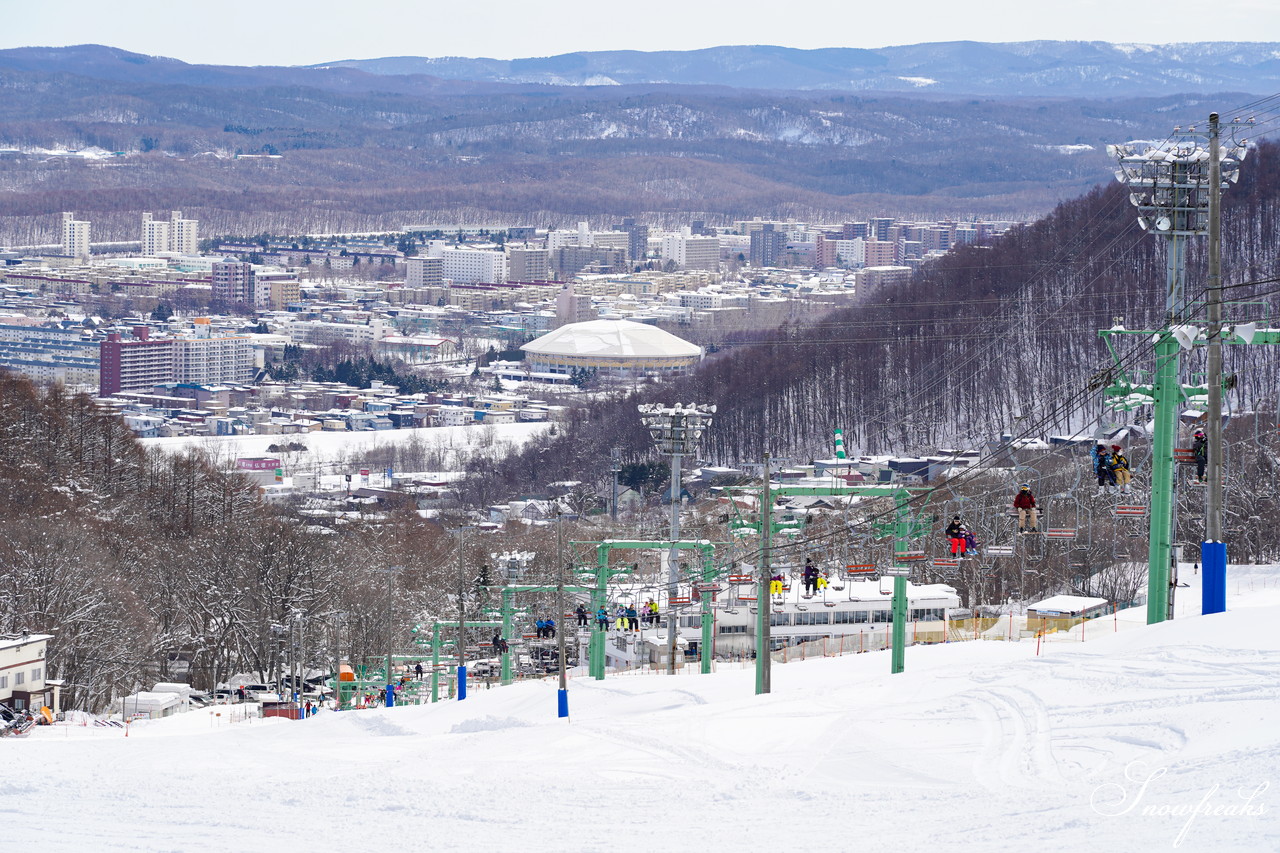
(293, 33)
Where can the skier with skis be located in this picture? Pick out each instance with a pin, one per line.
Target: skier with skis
(956, 536)
(810, 577)
(1200, 450)
(1025, 503)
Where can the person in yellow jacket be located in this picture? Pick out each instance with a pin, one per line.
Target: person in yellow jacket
(1120, 468)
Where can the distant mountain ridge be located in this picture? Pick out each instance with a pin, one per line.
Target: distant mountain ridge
(362, 151)
(1069, 68)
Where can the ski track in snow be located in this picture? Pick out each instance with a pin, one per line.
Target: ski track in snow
(979, 745)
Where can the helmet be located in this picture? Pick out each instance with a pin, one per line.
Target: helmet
(1115, 447)
(955, 518)
(1199, 433)
(1025, 486)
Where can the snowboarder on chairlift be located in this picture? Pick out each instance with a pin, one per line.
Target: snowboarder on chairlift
(1200, 450)
(775, 585)
(633, 619)
(602, 618)
(581, 613)
(1028, 515)
(956, 536)
(1120, 473)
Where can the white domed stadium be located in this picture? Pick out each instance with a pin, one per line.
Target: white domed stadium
(618, 348)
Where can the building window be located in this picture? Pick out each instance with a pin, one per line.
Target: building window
(780, 619)
(4, 682)
(35, 674)
(733, 629)
(18, 678)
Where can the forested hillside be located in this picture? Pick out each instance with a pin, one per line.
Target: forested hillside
(145, 566)
(987, 339)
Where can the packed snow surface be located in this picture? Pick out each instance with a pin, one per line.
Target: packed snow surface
(1144, 739)
(332, 447)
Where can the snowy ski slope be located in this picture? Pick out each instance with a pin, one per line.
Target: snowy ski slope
(1159, 738)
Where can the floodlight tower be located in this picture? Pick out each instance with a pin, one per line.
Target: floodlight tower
(1170, 183)
(675, 431)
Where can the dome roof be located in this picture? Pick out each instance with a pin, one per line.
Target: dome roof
(612, 338)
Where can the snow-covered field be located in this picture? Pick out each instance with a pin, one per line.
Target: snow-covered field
(339, 448)
(1159, 738)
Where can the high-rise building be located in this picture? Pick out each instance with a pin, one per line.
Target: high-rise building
(879, 253)
(184, 236)
(570, 260)
(767, 246)
(155, 236)
(572, 307)
(234, 283)
(205, 359)
(689, 252)
(75, 237)
(142, 362)
(528, 265)
(134, 365)
(637, 239)
(175, 235)
(469, 266)
(423, 272)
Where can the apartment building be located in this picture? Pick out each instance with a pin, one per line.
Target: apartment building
(424, 272)
(134, 365)
(142, 362)
(689, 252)
(45, 354)
(75, 237)
(234, 282)
(469, 266)
(175, 235)
(527, 264)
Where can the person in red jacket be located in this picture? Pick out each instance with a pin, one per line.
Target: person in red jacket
(1025, 503)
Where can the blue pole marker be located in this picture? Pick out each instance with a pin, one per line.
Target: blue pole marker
(1213, 590)
(562, 703)
(462, 683)
(391, 695)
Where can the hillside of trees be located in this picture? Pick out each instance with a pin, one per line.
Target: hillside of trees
(148, 565)
(989, 339)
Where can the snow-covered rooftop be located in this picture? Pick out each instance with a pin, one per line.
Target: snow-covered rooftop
(612, 338)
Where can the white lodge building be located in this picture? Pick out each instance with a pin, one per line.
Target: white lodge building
(23, 685)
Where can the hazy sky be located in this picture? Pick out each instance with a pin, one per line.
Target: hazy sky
(289, 32)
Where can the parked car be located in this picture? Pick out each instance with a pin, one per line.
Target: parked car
(258, 692)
